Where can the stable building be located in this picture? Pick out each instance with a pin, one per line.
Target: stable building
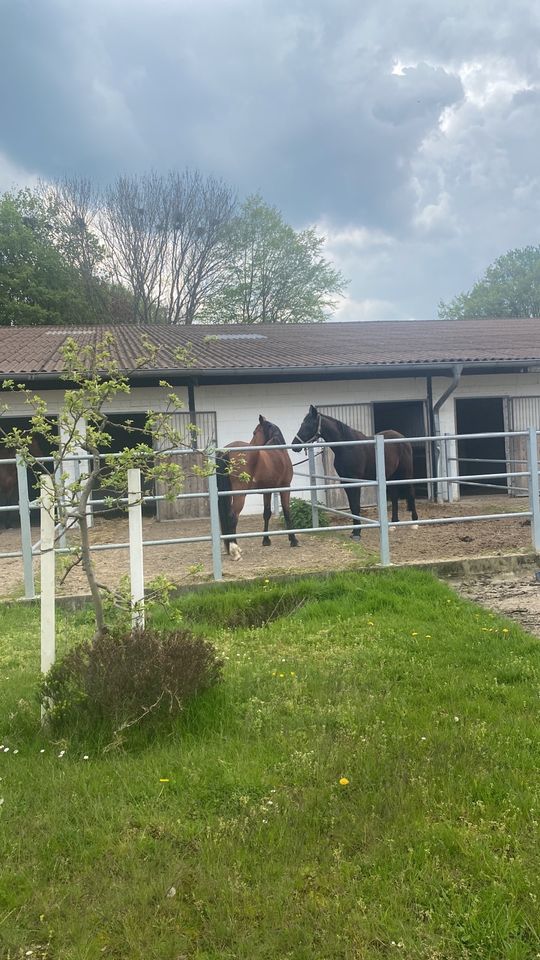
(422, 378)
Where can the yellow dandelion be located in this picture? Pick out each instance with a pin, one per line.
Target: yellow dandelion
(428, 636)
(282, 674)
(344, 782)
(370, 623)
(164, 780)
(414, 633)
(505, 630)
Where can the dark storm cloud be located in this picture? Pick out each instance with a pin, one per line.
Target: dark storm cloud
(263, 99)
(409, 129)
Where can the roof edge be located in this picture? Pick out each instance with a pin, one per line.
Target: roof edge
(242, 373)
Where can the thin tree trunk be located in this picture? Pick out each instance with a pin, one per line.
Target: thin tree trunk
(87, 563)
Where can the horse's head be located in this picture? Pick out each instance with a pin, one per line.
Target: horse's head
(309, 430)
(266, 432)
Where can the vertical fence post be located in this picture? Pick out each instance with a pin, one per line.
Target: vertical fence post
(47, 576)
(534, 492)
(26, 530)
(215, 528)
(136, 567)
(444, 462)
(381, 500)
(313, 485)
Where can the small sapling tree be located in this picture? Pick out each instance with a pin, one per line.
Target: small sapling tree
(82, 430)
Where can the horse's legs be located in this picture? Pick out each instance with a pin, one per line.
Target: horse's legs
(353, 496)
(267, 513)
(411, 505)
(237, 504)
(285, 506)
(394, 499)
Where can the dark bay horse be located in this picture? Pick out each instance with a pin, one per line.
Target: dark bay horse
(253, 470)
(358, 463)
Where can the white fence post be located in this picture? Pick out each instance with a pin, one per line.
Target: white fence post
(313, 485)
(534, 492)
(136, 567)
(381, 500)
(215, 526)
(47, 574)
(26, 530)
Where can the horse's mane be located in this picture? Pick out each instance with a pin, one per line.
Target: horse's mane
(344, 431)
(274, 433)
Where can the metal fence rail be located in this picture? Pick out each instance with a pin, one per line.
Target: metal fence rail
(314, 488)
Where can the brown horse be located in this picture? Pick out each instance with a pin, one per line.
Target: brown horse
(253, 470)
(358, 462)
(9, 486)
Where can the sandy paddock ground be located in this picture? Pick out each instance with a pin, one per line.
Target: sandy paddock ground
(514, 595)
(192, 563)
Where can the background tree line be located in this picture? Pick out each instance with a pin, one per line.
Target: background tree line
(510, 287)
(176, 248)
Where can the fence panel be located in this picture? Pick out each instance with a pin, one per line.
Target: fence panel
(200, 438)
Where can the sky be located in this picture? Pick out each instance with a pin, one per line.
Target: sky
(406, 131)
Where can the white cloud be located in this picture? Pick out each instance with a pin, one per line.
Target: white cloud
(351, 310)
(12, 176)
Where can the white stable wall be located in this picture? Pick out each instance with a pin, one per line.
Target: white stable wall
(138, 401)
(238, 406)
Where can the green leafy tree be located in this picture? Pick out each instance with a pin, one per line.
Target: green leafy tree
(36, 283)
(272, 273)
(510, 287)
(50, 263)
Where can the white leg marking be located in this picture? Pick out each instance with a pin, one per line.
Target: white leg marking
(235, 552)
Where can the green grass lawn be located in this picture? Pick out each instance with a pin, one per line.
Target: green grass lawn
(426, 705)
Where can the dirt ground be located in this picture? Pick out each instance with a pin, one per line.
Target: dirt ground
(192, 563)
(515, 595)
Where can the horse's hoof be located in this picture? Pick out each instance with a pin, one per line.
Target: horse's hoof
(235, 552)
(356, 537)
(414, 526)
(266, 542)
(294, 543)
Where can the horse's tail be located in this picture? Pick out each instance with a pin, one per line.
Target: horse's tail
(223, 475)
(405, 471)
(406, 463)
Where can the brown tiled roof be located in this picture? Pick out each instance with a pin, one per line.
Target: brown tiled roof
(286, 348)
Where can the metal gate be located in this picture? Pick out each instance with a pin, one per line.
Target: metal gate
(359, 416)
(198, 432)
(522, 413)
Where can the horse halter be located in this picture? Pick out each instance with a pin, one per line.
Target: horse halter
(316, 435)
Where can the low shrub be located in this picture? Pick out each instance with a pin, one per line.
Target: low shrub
(121, 677)
(301, 514)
